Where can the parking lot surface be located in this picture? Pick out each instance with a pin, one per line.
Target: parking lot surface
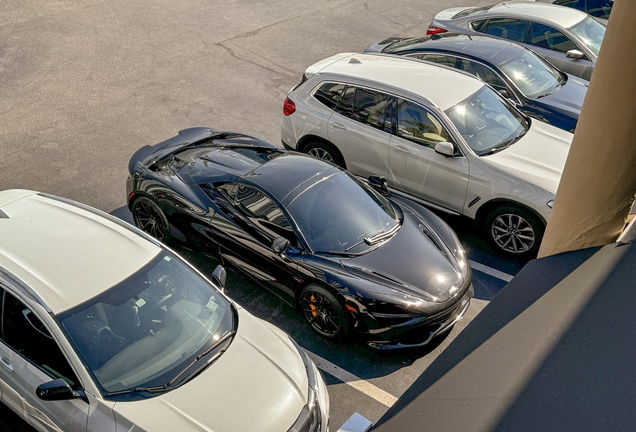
(85, 83)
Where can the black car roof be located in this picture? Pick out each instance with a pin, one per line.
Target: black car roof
(493, 50)
(280, 172)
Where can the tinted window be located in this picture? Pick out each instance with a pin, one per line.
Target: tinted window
(370, 107)
(597, 8)
(148, 329)
(507, 28)
(329, 94)
(417, 124)
(547, 37)
(478, 25)
(486, 121)
(482, 72)
(338, 212)
(263, 211)
(26, 334)
(590, 33)
(346, 102)
(440, 59)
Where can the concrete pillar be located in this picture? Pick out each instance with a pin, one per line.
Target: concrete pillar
(599, 179)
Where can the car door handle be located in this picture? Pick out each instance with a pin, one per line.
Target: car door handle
(6, 364)
(339, 126)
(402, 149)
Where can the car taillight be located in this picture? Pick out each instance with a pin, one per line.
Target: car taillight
(289, 107)
(435, 30)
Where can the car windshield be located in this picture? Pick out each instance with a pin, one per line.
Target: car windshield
(148, 329)
(532, 75)
(591, 33)
(337, 213)
(487, 122)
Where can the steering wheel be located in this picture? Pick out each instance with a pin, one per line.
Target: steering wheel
(161, 301)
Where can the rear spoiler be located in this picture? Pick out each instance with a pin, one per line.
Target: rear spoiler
(378, 47)
(149, 154)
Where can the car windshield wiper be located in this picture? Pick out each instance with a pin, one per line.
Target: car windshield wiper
(505, 146)
(200, 356)
(163, 387)
(556, 87)
(382, 235)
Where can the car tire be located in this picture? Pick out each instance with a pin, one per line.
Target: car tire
(151, 219)
(323, 312)
(325, 151)
(514, 231)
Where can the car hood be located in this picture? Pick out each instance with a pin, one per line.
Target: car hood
(569, 98)
(258, 384)
(413, 262)
(538, 157)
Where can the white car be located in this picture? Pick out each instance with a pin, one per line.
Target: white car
(440, 136)
(105, 329)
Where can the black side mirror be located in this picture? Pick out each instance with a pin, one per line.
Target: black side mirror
(58, 390)
(379, 183)
(279, 245)
(220, 275)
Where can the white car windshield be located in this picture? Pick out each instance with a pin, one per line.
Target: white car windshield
(487, 122)
(148, 330)
(591, 33)
(532, 75)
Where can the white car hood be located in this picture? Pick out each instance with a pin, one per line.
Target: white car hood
(538, 157)
(258, 385)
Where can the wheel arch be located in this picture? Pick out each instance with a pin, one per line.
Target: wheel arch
(135, 195)
(489, 206)
(308, 139)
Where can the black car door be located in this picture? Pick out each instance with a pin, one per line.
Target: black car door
(252, 220)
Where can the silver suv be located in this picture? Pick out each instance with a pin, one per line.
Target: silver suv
(439, 136)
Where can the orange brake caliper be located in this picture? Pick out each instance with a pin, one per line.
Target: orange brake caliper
(312, 299)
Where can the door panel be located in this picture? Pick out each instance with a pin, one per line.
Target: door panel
(357, 129)
(25, 337)
(553, 45)
(415, 166)
(245, 239)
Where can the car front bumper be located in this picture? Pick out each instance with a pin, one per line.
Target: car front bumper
(421, 331)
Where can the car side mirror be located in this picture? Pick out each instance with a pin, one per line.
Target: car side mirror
(220, 275)
(379, 183)
(279, 245)
(445, 149)
(58, 390)
(574, 54)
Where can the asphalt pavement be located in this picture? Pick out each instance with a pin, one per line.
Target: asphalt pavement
(85, 83)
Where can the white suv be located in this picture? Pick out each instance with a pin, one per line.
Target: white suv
(441, 137)
(104, 328)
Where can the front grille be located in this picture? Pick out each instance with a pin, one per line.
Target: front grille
(443, 315)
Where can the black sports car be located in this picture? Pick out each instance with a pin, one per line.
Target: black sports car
(351, 258)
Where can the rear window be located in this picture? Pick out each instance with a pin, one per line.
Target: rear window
(329, 94)
(472, 11)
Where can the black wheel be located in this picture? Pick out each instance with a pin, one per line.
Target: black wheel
(323, 312)
(325, 151)
(514, 231)
(149, 218)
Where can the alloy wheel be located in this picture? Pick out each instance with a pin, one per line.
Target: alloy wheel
(321, 154)
(512, 233)
(321, 313)
(149, 219)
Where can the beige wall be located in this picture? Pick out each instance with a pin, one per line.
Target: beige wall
(599, 181)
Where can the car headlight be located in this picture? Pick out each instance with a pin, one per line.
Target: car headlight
(550, 203)
(310, 418)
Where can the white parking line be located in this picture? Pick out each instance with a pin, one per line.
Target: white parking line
(490, 271)
(354, 381)
(356, 423)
